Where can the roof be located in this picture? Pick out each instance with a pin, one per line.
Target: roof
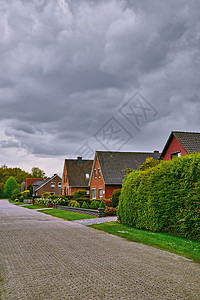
(77, 172)
(112, 164)
(30, 181)
(38, 184)
(190, 141)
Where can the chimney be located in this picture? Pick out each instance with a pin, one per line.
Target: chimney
(156, 151)
(79, 160)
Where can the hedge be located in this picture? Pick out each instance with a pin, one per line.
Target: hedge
(165, 198)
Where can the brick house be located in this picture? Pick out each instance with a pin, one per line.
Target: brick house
(30, 181)
(181, 143)
(76, 174)
(108, 170)
(51, 185)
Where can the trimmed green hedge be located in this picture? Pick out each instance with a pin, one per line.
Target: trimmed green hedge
(165, 198)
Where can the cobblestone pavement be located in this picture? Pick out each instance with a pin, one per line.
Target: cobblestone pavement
(87, 222)
(45, 258)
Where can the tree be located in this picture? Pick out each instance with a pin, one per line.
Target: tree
(148, 164)
(37, 173)
(10, 185)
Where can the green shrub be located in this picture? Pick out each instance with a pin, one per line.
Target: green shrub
(93, 205)
(110, 211)
(77, 205)
(46, 195)
(72, 203)
(26, 194)
(15, 194)
(115, 198)
(84, 205)
(164, 198)
(79, 194)
(102, 204)
(10, 185)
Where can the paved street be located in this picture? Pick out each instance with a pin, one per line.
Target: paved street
(45, 258)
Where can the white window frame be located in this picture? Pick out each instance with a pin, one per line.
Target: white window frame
(53, 183)
(94, 190)
(59, 184)
(100, 189)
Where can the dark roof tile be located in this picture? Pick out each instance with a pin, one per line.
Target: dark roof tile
(113, 163)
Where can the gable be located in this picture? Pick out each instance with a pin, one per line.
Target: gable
(76, 172)
(182, 141)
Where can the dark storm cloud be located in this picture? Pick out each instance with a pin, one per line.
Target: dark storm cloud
(66, 67)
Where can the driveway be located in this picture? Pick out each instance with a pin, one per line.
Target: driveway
(45, 258)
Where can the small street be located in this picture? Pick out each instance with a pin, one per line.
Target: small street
(46, 258)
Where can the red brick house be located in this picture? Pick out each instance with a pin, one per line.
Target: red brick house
(30, 181)
(51, 185)
(108, 170)
(181, 143)
(76, 174)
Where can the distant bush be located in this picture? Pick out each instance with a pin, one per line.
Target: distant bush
(10, 185)
(164, 198)
(46, 195)
(15, 194)
(115, 198)
(26, 194)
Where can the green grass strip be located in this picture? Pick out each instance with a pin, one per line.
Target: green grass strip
(31, 206)
(182, 246)
(15, 203)
(67, 215)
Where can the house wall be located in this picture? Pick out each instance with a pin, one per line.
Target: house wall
(65, 183)
(173, 147)
(110, 189)
(47, 187)
(98, 182)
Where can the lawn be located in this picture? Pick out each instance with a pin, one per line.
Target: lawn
(178, 245)
(31, 206)
(67, 215)
(15, 203)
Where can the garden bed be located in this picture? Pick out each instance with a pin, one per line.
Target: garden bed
(94, 212)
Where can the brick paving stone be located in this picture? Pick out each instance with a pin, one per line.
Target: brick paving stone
(87, 222)
(46, 258)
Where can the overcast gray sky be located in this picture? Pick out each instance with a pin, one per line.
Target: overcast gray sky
(86, 75)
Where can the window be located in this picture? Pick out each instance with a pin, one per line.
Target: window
(100, 193)
(99, 173)
(87, 176)
(59, 184)
(95, 173)
(176, 154)
(94, 194)
(53, 185)
(88, 192)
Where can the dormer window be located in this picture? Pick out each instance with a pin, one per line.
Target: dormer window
(87, 176)
(175, 154)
